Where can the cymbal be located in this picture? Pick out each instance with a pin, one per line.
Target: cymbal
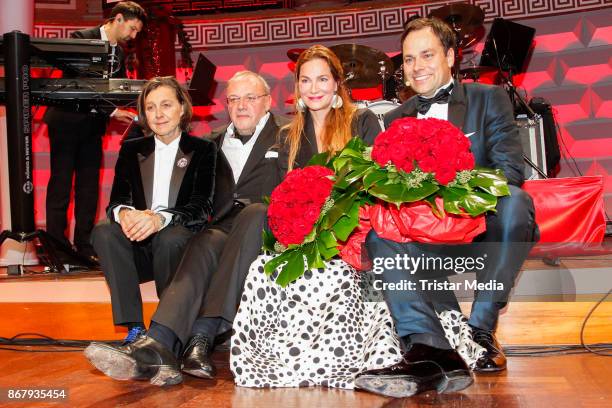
(465, 19)
(460, 15)
(364, 63)
(294, 53)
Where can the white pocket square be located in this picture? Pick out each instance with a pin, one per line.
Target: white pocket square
(469, 134)
(270, 154)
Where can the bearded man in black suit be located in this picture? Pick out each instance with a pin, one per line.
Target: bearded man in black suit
(202, 298)
(485, 115)
(75, 137)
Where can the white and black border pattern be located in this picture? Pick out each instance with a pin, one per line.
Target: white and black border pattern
(341, 24)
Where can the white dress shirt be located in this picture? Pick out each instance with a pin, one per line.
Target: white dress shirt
(165, 156)
(437, 110)
(238, 153)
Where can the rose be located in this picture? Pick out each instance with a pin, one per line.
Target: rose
(295, 204)
(435, 146)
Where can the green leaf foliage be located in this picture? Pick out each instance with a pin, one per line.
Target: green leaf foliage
(268, 240)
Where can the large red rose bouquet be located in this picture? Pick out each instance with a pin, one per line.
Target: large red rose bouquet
(415, 165)
(421, 159)
(303, 227)
(430, 145)
(295, 204)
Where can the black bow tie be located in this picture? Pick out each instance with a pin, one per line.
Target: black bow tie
(442, 96)
(243, 138)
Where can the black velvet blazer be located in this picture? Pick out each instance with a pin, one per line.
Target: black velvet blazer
(485, 114)
(191, 185)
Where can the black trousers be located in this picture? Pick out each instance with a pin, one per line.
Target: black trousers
(126, 264)
(510, 235)
(209, 280)
(76, 149)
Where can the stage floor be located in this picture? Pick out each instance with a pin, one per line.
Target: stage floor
(561, 381)
(77, 306)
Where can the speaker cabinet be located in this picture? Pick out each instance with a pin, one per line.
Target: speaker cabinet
(531, 132)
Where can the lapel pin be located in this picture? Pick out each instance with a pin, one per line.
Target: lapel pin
(182, 163)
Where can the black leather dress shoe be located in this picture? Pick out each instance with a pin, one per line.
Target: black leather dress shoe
(144, 359)
(494, 359)
(196, 358)
(422, 368)
(89, 254)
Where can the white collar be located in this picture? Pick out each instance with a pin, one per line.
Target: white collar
(159, 145)
(104, 37)
(260, 125)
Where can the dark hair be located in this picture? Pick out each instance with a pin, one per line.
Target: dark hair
(444, 33)
(181, 95)
(129, 10)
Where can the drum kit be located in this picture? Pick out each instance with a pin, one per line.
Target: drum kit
(367, 67)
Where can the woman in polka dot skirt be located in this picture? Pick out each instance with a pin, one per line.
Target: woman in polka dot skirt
(319, 330)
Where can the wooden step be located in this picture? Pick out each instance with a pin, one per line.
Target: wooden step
(78, 306)
(520, 322)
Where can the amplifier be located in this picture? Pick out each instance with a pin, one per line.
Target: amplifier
(531, 132)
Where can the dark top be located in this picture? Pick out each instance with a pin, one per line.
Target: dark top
(364, 124)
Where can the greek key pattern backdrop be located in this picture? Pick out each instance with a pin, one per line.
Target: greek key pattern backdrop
(209, 34)
(570, 67)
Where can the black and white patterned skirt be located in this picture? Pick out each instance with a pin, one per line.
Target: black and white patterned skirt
(319, 330)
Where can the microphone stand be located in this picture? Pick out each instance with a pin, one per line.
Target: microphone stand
(514, 96)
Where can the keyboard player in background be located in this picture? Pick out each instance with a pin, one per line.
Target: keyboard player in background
(75, 137)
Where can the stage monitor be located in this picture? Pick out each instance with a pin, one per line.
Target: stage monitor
(508, 44)
(76, 57)
(79, 57)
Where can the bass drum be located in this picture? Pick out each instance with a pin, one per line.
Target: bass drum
(380, 108)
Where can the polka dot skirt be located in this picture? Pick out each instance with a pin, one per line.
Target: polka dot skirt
(318, 330)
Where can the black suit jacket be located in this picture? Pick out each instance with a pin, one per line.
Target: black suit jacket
(259, 176)
(365, 124)
(72, 116)
(485, 111)
(191, 185)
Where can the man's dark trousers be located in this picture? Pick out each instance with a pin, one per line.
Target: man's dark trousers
(510, 234)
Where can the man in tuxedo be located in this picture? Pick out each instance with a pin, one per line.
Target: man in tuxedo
(485, 115)
(203, 296)
(75, 137)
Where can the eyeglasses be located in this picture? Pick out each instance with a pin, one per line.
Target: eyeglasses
(251, 99)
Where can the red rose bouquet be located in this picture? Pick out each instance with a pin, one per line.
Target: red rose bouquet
(296, 203)
(421, 159)
(303, 227)
(418, 181)
(421, 178)
(431, 145)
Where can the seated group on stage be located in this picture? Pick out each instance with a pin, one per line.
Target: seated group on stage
(188, 213)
